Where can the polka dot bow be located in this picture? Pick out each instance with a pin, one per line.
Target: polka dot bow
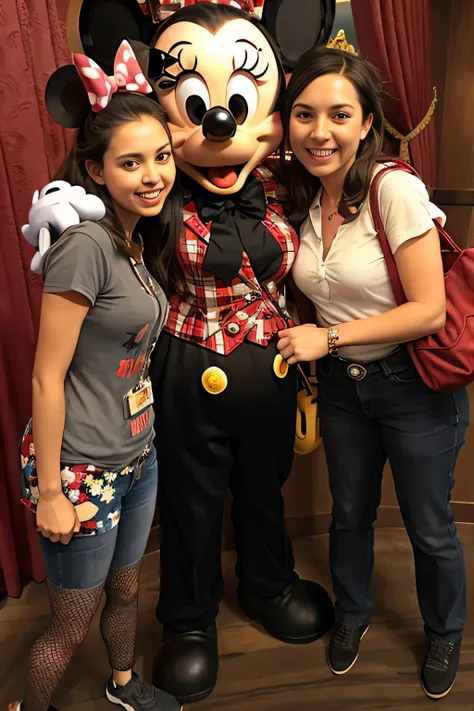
(100, 88)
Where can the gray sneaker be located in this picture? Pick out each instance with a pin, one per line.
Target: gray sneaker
(140, 696)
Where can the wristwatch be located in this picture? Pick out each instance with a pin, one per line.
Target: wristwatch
(333, 337)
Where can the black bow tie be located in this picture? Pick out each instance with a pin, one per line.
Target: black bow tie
(237, 226)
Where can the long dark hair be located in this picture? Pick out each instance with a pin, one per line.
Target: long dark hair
(301, 185)
(160, 233)
(212, 17)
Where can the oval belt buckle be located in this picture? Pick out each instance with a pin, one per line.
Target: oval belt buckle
(280, 366)
(356, 371)
(214, 380)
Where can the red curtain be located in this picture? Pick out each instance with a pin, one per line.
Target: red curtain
(397, 36)
(34, 44)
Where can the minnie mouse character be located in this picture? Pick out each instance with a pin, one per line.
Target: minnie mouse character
(225, 408)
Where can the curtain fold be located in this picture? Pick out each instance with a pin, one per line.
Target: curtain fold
(33, 41)
(397, 36)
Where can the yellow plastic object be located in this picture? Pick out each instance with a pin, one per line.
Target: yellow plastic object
(214, 380)
(280, 366)
(307, 435)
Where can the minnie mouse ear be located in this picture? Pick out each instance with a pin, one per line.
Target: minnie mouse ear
(298, 25)
(66, 98)
(97, 27)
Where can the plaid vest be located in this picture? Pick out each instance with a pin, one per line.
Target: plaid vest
(218, 316)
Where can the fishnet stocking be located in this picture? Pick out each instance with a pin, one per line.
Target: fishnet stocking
(71, 615)
(118, 621)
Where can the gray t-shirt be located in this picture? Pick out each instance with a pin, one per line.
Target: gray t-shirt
(112, 345)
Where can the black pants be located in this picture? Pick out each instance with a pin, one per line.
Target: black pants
(391, 413)
(242, 438)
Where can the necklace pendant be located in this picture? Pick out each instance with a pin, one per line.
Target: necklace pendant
(332, 215)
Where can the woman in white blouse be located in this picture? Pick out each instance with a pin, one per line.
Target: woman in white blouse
(373, 405)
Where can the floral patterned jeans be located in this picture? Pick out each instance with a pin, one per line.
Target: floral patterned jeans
(86, 561)
(95, 493)
(118, 505)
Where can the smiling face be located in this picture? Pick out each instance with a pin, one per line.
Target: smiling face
(327, 126)
(138, 169)
(220, 101)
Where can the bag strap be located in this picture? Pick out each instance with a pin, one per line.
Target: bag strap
(446, 242)
(397, 287)
(263, 288)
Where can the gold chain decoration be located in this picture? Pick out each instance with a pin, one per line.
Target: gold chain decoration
(405, 140)
(340, 42)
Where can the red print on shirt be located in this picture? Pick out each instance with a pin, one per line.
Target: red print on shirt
(140, 423)
(136, 338)
(130, 367)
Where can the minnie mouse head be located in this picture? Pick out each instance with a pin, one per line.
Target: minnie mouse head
(221, 93)
(217, 72)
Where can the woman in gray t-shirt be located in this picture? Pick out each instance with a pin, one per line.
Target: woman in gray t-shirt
(87, 456)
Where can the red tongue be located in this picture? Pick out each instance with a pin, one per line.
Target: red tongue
(223, 177)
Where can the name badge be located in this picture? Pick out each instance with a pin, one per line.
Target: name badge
(140, 398)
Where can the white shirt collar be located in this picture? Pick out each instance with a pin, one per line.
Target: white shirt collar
(317, 200)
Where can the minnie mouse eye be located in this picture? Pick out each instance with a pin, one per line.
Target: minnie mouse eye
(192, 98)
(242, 98)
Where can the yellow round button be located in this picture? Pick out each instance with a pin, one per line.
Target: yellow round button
(280, 366)
(214, 380)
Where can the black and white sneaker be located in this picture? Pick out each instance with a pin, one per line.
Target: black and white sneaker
(439, 669)
(344, 647)
(140, 696)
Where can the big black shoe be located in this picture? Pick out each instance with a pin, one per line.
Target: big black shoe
(300, 615)
(344, 647)
(439, 669)
(186, 665)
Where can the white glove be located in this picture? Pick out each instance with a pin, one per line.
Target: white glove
(57, 207)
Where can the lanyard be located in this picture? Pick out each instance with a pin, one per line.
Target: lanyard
(151, 291)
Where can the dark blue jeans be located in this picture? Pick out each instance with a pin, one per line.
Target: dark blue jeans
(390, 413)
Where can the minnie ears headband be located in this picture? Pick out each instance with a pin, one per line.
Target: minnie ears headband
(76, 89)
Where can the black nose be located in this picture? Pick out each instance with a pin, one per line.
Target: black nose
(218, 124)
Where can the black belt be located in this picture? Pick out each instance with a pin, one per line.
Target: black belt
(359, 371)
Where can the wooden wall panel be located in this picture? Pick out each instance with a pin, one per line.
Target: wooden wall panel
(456, 155)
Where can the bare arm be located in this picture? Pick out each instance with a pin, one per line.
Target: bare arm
(62, 316)
(420, 268)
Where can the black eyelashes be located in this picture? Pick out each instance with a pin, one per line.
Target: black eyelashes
(184, 68)
(165, 84)
(169, 81)
(251, 70)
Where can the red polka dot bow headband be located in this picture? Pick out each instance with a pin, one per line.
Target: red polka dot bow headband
(128, 76)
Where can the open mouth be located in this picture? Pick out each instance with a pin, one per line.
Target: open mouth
(321, 153)
(150, 195)
(150, 198)
(223, 176)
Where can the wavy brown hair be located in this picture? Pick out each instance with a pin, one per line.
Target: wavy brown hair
(160, 233)
(301, 186)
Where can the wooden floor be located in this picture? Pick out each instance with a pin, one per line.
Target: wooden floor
(257, 673)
